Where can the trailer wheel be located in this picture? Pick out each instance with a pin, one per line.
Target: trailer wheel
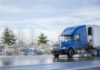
(70, 53)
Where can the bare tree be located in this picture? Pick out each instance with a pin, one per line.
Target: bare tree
(20, 37)
(32, 37)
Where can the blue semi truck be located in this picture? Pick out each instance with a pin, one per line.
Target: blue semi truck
(78, 38)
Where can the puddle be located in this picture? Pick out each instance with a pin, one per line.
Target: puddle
(25, 60)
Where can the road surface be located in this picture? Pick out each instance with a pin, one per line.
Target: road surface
(46, 62)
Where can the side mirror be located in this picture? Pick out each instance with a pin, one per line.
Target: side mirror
(76, 37)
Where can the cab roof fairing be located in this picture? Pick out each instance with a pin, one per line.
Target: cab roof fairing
(72, 30)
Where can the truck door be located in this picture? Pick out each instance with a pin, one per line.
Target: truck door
(82, 41)
(83, 38)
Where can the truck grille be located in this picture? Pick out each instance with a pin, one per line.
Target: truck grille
(56, 45)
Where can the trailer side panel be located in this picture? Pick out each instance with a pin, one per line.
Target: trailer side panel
(96, 36)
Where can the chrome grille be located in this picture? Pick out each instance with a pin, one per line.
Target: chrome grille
(56, 45)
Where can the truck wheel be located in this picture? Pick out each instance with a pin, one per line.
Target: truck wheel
(70, 53)
(98, 53)
(56, 56)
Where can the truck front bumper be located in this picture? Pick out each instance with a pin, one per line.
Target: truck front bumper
(59, 51)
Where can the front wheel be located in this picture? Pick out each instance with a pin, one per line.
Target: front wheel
(56, 56)
(70, 53)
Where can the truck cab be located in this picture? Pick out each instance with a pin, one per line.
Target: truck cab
(71, 39)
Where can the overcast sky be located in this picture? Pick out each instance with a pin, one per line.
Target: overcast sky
(47, 16)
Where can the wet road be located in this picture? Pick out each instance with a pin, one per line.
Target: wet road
(46, 62)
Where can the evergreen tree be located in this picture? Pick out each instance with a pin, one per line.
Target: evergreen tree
(8, 37)
(42, 39)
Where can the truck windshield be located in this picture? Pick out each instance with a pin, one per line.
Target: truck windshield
(66, 38)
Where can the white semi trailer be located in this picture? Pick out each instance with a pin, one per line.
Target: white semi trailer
(94, 35)
(73, 39)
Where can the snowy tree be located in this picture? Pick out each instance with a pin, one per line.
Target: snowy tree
(8, 37)
(42, 39)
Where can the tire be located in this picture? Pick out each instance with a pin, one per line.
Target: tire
(56, 56)
(98, 53)
(70, 53)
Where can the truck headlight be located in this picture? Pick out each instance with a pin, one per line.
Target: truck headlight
(63, 47)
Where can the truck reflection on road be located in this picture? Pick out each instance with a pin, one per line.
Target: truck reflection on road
(75, 59)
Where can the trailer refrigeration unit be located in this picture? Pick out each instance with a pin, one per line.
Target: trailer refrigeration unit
(78, 38)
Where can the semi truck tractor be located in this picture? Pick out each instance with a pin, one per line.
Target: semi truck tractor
(78, 38)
